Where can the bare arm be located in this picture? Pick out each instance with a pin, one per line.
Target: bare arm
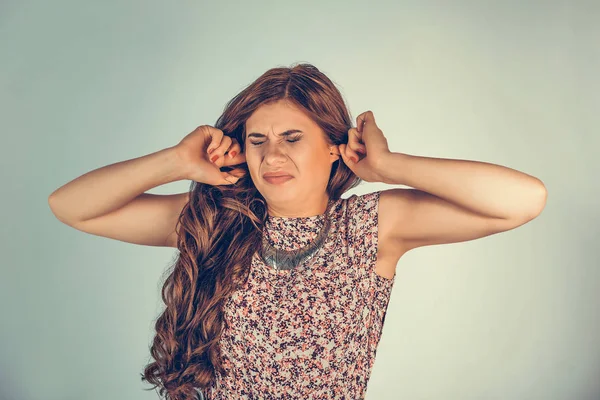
(111, 201)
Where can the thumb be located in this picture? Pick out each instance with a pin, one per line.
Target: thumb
(228, 179)
(347, 160)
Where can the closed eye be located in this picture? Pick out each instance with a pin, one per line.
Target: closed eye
(289, 140)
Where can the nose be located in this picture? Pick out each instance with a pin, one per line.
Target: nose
(273, 153)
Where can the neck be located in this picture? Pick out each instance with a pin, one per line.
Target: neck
(286, 212)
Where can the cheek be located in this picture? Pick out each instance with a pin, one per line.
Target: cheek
(315, 163)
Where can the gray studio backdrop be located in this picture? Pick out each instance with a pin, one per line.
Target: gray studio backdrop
(86, 84)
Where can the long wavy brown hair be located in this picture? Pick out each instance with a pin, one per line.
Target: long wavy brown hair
(221, 228)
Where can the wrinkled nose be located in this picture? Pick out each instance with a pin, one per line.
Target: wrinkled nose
(274, 153)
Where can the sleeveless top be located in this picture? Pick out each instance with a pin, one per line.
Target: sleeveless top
(310, 332)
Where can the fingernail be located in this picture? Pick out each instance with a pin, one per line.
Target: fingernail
(211, 150)
(232, 154)
(355, 159)
(214, 158)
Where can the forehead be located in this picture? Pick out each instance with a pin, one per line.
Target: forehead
(278, 117)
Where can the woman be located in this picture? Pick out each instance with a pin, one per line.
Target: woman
(281, 287)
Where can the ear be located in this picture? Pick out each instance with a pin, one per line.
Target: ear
(334, 153)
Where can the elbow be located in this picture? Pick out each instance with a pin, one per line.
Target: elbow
(539, 203)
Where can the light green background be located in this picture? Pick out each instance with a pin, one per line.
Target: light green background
(86, 84)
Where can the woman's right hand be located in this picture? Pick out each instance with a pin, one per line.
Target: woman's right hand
(193, 151)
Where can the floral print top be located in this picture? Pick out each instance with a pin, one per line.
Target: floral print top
(310, 332)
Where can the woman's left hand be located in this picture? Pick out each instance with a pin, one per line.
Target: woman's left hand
(366, 145)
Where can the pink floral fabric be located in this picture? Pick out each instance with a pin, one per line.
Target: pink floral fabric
(312, 332)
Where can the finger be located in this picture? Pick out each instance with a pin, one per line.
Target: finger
(229, 179)
(348, 155)
(215, 139)
(238, 172)
(219, 151)
(370, 117)
(354, 141)
(360, 121)
(239, 158)
(234, 149)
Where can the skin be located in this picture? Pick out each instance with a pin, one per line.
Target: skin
(308, 160)
(440, 207)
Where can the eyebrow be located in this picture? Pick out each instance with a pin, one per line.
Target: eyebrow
(284, 134)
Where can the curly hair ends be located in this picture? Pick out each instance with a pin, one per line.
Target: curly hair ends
(220, 230)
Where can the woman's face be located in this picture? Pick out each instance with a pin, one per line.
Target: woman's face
(302, 153)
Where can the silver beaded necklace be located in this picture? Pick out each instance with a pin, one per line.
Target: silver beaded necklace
(289, 259)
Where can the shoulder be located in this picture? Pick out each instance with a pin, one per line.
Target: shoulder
(377, 213)
(367, 203)
(362, 212)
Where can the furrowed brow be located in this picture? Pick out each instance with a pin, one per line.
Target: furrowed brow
(283, 134)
